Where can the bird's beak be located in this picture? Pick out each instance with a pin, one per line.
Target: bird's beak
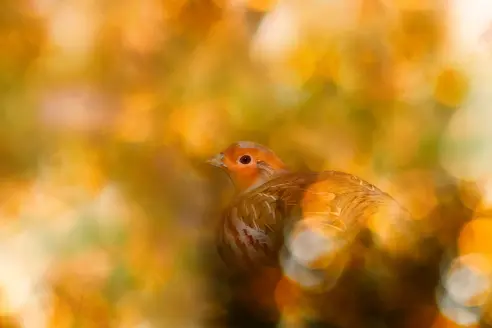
(217, 160)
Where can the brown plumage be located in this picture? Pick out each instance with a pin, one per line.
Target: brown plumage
(264, 212)
(307, 224)
(254, 224)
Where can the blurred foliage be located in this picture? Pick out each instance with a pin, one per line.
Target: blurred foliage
(109, 109)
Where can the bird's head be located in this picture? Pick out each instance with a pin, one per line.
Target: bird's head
(248, 164)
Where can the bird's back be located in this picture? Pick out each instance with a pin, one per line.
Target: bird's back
(254, 226)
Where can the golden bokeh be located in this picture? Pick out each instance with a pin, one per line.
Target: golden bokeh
(109, 110)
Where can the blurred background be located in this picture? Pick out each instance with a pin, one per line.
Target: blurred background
(109, 108)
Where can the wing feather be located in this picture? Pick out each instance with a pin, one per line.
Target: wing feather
(256, 220)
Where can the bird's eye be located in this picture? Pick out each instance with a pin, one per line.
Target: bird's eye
(245, 159)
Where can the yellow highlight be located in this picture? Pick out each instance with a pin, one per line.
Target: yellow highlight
(451, 87)
(261, 5)
(475, 237)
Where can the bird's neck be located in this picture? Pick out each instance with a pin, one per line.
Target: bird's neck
(256, 183)
(261, 178)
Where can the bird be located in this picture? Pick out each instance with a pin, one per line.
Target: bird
(270, 198)
(309, 225)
